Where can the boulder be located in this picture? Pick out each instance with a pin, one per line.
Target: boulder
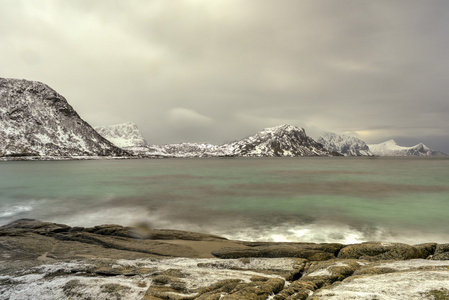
(374, 251)
(441, 252)
(315, 252)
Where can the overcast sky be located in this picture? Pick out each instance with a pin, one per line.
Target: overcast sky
(220, 70)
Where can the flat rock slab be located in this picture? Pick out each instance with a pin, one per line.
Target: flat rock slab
(56, 261)
(413, 279)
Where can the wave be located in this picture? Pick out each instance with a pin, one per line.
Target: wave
(14, 211)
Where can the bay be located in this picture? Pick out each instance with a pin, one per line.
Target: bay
(307, 199)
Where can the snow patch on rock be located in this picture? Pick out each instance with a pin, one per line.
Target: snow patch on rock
(391, 148)
(344, 144)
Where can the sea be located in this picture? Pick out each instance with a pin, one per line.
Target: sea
(304, 199)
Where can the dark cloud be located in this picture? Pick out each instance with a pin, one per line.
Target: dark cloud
(215, 71)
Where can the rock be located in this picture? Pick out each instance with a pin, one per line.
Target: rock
(441, 252)
(259, 288)
(116, 262)
(427, 249)
(411, 279)
(169, 234)
(297, 290)
(30, 225)
(327, 272)
(380, 251)
(299, 250)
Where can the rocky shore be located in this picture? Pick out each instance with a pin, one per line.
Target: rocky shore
(41, 260)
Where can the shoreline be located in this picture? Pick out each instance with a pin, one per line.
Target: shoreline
(145, 263)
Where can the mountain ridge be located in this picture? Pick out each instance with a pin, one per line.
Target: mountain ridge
(35, 120)
(391, 148)
(344, 144)
(279, 141)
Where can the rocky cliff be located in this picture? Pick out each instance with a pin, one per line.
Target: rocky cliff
(37, 121)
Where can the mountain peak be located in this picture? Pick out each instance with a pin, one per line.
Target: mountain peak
(37, 121)
(390, 142)
(391, 148)
(344, 144)
(284, 127)
(123, 135)
(283, 140)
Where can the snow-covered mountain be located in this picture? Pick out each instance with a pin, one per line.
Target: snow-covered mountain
(391, 148)
(344, 144)
(186, 150)
(123, 135)
(37, 121)
(284, 140)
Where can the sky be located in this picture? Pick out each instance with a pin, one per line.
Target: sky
(220, 70)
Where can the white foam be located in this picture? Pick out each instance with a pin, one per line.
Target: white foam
(14, 210)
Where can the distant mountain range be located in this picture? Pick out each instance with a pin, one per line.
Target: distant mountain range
(284, 140)
(36, 121)
(391, 148)
(344, 144)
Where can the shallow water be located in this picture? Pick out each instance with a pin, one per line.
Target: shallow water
(317, 199)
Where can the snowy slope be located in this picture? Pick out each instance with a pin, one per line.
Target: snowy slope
(186, 150)
(37, 121)
(123, 135)
(391, 148)
(344, 144)
(284, 140)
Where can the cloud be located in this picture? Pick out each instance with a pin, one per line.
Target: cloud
(226, 68)
(180, 116)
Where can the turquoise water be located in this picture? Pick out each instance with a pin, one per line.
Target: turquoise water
(275, 199)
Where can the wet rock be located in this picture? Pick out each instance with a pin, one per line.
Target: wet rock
(169, 234)
(441, 252)
(316, 252)
(22, 226)
(216, 290)
(380, 251)
(297, 290)
(327, 272)
(257, 289)
(427, 249)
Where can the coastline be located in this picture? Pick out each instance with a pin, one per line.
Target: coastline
(145, 263)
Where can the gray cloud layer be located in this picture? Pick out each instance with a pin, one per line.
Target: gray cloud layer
(218, 70)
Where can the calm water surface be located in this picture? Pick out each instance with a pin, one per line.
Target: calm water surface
(274, 199)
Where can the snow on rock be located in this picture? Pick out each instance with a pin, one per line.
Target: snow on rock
(186, 150)
(391, 148)
(37, 121)
(344, 144)
(123, 135)
(284, 140)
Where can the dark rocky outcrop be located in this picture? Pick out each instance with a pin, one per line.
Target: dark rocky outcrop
(382, 251)
(441, 252)
(308, 251)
